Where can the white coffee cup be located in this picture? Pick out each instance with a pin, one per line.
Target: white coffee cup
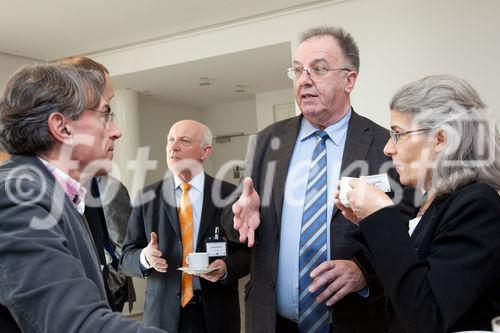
(495, 324)
(344, 189)
(197, 260)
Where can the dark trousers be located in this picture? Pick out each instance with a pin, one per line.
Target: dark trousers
(192, 317)
(285, 325)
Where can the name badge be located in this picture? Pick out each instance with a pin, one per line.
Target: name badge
(216, 249)
(216, 246)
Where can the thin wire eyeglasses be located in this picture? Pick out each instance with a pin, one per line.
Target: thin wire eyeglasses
(395, 136)
(294, 73)
(108, 115)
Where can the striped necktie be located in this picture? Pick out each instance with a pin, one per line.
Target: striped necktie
(313, 316)
(186, 223)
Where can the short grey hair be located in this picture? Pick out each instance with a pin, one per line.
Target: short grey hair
(451, 104)
(33, 93)
(207, 136)
(346, 42)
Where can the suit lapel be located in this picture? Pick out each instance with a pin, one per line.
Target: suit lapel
(356, 149)
(426, 222)
(168, 194)
(207, 210)
(288, 138)
(356, 146)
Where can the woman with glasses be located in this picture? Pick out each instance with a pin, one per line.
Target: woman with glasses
(440, 270)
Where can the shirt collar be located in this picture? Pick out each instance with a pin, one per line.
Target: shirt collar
(73, 189)
(197, 182)
(335, 131)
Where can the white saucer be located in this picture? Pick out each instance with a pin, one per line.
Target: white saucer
(196, 271)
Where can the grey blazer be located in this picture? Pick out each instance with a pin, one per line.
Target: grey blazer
(49, 272)
(365, 142)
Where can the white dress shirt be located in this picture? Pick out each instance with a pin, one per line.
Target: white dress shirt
(196, 198)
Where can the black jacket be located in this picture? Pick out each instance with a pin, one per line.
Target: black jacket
(446, 277)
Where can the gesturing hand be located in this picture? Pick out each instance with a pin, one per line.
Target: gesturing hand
(246, 212)
(154, 256)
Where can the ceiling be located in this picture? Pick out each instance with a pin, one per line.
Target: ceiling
(242, 71)
(51, 29)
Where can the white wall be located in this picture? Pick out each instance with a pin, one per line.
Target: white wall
(126, 107)
(9, 63)
(400, 40)
(229, 119)
(155, 119)
(265, 103)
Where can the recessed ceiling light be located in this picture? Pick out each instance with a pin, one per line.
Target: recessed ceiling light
(204, 81)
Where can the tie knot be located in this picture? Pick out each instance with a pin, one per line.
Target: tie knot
(321, 134)
(185, 187)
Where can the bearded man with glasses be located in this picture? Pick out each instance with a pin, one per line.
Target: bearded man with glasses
(303, 274)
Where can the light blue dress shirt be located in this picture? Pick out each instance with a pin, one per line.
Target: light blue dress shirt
(293, 204)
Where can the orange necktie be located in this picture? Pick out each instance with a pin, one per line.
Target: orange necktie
(186, 224)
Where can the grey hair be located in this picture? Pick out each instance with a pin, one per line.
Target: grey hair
(346, 42)
(451, 104)
(33, 93)
(207, 136)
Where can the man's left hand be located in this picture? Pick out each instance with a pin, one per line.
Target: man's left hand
(338, 278)
(218, 273)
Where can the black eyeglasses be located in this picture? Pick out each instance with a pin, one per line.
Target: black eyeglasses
(396, 135)
(316, 71)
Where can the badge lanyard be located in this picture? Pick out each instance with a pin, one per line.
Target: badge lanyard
(216, 246)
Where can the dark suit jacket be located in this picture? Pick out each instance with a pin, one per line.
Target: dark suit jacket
(446, 278)
(156, 211)
(110, 208)
(50, 275)
(365, 142)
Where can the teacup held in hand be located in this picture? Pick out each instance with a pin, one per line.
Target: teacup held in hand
(197, 260)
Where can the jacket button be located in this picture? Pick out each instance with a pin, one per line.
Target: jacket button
(272, 285)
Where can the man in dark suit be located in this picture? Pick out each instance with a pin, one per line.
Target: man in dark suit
(159, 237)
(303, 277)
(56, 124)
(108, 210)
